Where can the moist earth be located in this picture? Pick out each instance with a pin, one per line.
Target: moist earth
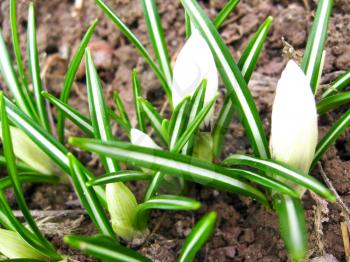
(245, 231)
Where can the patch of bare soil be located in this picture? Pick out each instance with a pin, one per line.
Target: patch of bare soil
(245, 230)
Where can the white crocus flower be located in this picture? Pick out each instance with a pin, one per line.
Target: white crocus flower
(139, 138)
(294, 120)
(194, 63)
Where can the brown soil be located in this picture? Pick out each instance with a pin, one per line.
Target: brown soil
(245, 230)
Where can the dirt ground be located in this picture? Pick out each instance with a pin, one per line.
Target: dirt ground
(245, 230)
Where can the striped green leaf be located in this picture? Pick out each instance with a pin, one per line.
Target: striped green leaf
(8, 73)
(88, 198)
(164, 202)
(225, 12)
(232, 77)
(156, 34)
(77, 118)
(98, 110)
(291, 220)
(70, 76)
(338, 84)
(178, 121)
(121, 108)
(193, 126)
(104, 248)
(34, 68)
(331, 136)
(246, 64)
(153, 185)
(119, 120)
(281, 170)
(332, 102)
(12, 171)
(138, 45)
(191, 169)
(312, 60)
(197, 102)
(200, 234)
(136, 90)
(45, 141)
(5, 182)
(21, 166)
(17, 52)
(155, 119)
(120, 176)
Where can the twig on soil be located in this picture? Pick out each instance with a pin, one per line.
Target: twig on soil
(345, 235)
(51, 213)
(320, 216)
(340, 202)
(155, 229)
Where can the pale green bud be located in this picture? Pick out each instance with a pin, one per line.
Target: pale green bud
(122, 207)
(13, 246)
(203, 147)
(27, 151)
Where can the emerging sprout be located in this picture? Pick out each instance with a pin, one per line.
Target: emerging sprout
(27, 151)
(122, 206)
(294, 120)
(13, 246)
(194, 63)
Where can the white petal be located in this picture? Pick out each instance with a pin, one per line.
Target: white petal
(139, 138)
(194, 63)
(294, 120)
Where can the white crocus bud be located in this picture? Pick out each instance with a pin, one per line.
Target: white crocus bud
(294, 120)
(13, 246)
(194, 63)
(122, 206)
(27, 151)
(139, 138)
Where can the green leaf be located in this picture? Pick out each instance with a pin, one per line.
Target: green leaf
(331, 136)
(12, 171)
(153, 185)
(20, 165)
(10, 222)
(104, 248)
(200, 234)
(119, 120)
(17, 52)
(312, 60)
(337, 85)
(164, 202)
(77, 118)
(246, 64)
(225, 12)
(120, 176)
(178, 121)
(193, 126)
(197, 102)
(155, 119)
(156, 35)
(34, 68)
(121, 108)
(138, 45)
(188, 26)
(292, 225)
(98, 110)
(234, 82)
(191, 169)
(88, 198)
(45, 141)
(5, 182)
(332, 102)
(136, 90)
(8, 73)
(70, 76)
(282, 170)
